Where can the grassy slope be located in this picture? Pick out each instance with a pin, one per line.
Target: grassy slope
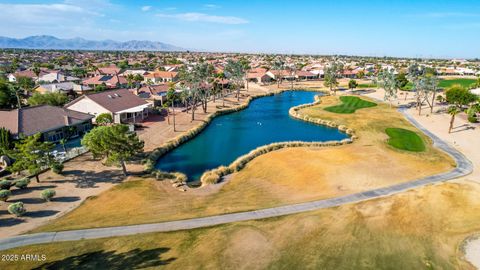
(280, 177)
(350, 104)
(404, 139)
(419, 229)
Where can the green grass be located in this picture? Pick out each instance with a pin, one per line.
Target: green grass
(405, 140)
(445, 83)
(462, 82)
(350, 105)
(366, 85)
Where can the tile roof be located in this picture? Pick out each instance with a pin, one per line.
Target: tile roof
(113, 100)
(31, 120)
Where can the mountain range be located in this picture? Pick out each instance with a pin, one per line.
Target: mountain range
(51, 42)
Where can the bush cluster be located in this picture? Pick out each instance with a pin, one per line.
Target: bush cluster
(57, 167)
(22, 183)
(48, 194)
(5, 184)
(5, 194)
(17, 209)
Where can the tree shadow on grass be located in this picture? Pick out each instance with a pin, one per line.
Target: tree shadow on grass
(17, 191)
(89, 179)
(66, 199)
(28, 200)
(41, 213)
(9, 221)
(133, 259)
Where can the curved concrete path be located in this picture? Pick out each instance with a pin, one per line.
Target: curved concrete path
(464, 167)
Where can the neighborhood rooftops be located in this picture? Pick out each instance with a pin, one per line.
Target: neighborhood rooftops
(31, 120)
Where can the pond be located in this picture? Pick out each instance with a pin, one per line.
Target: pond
(264, 121)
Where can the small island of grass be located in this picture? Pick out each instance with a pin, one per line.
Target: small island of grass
(404, 139)
(350, 104)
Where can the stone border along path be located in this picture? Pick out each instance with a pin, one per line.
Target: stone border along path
(464, 167)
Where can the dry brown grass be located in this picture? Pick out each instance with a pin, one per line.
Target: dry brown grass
(277, 178)
(418, 229)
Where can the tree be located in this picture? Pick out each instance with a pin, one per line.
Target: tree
(172, 98)
(278, 67)
(458, 97)
(8, 96)
(79, 72)
(130, 79)
(104, 119)
(117, 144)
(31, 154)
(26, 84)
(453, 111)
(401, 80)
(352, 84)
(237, 73)
(331, 75)
(360, 74)
(5, 141)
(52, 99)
(386, 80)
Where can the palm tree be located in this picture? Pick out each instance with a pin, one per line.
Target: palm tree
(453, 111)
(130, 78)
(278, 66)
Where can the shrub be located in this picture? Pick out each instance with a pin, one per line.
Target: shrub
(48, 194)
(22, 183)
(104, 119)
(210, 177)
(472, 119)
(4, 194)
(57, 167)
(5, 184)
(17, 209)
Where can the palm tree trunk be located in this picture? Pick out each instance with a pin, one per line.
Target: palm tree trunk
(124, 168)
(433, 102)
(238, 93)
(174, 127)
(36, 178)
(451, 123)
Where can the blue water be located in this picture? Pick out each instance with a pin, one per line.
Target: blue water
(227, 137)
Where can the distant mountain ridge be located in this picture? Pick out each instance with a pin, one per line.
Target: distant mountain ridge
(50, 42)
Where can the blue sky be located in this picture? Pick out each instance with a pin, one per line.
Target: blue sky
(378, 28)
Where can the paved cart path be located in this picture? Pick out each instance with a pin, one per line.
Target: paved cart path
(464, 167)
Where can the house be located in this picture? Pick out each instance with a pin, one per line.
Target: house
(281, 75)
(135, 72)
(258, 77)
(24, 73)
(54, 123)
(110, 81)
(56, 76)
(305, 75)
(161, 77)
(63, 87)
(124, 106)
(154, 94)
(111, 70)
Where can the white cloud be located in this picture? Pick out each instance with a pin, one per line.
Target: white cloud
(43, 13)
(146, 8)
(211, 6)
(202, 17)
